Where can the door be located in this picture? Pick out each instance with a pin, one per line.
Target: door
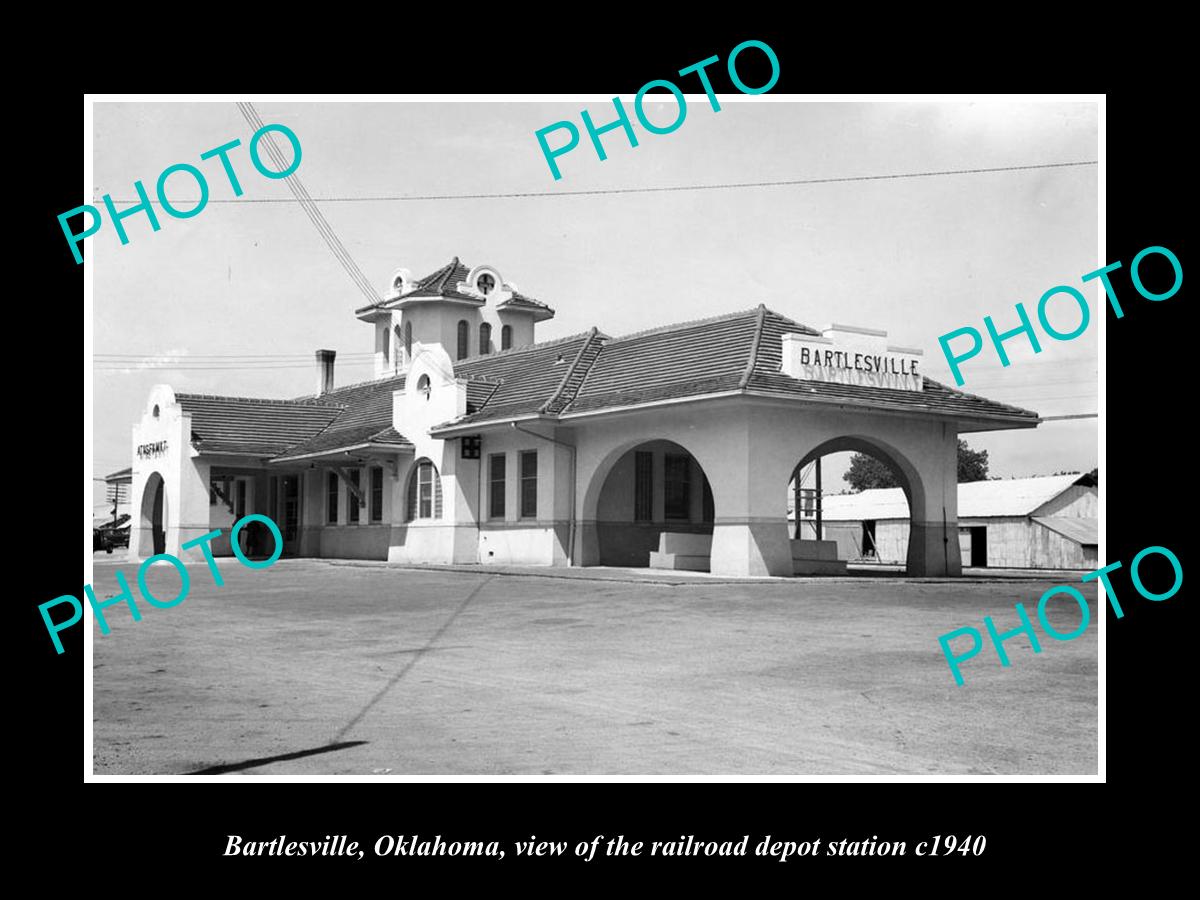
(979, 546)
(158, 529)
(868, 538)
(287, 512)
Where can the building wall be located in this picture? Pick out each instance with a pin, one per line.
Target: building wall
(749, 450)
(1012, 542)
(1076, 501)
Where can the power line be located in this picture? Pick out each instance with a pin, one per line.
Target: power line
(310, 208)
(132, 367)
(794, 182)
(237, 357)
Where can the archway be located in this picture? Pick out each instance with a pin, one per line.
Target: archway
(828, 520)
(652, 488)
(154, 512)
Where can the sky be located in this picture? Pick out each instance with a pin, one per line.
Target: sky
(917, 257)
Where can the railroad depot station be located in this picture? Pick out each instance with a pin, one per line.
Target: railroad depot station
(474, 443)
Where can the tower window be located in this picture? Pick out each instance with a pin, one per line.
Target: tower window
(485, 338)
(506, 337)
(463, 349)
(423, 386)
(485, 283)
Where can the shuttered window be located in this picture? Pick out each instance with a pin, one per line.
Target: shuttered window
(355, 504)
(677, 486)
(643, 486)
(529, 480)
(496, 485)
(376, 494)
(424, 492)
(464, 337)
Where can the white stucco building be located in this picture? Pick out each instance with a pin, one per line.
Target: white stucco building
(474, 443)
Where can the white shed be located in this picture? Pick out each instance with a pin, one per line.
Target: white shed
(1036, 523)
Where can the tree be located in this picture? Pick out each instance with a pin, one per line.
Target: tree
(867, 472)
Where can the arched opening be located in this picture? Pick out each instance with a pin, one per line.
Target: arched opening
(655, 489)
(506, 337)
(154, 514)
(851, 502)
(424, 492)
(408, 340)
(485, 339)
(463, 339)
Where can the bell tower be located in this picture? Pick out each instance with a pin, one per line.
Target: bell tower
(468, 312)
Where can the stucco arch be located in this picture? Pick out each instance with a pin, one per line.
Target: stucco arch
(596, 465)
(900, 465)
(593, 475)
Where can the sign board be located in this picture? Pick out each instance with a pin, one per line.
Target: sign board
(842, 354)
(151, 451)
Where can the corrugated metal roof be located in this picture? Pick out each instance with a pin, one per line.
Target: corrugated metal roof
(976, 499)
(1080, 530)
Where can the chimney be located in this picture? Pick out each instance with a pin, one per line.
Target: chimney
(325, 370)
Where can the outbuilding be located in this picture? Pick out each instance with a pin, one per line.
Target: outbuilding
(476, 443)
(1047, 522)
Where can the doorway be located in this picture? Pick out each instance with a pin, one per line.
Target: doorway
(868, 538)
(979, 546)
(285, 489)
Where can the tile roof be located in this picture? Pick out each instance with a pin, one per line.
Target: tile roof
(365, 417)
(528, 378)
(739, 351)
(441, 283)
(253, 427)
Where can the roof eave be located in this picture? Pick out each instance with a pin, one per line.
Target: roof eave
(450, 430)
(342, 451)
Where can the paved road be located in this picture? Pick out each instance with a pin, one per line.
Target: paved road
(314, 668)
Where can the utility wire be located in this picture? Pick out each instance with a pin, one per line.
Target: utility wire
(400, 198)
(310, 208)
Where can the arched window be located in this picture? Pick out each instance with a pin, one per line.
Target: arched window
(424, 492)
(423, 386)
(462, 339)
(408, 340)
(485, 338)
(506, 337)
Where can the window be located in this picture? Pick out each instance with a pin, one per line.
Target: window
(485, 339)
(485, 283)
(355, 503)
(385, 343)
(423, 385)
(424, 492)
(331, 490)
(398, 283)
(643, 486)
(506, 337)
(376, 494)
(408, 340)
(462, 339)
(529, 484)
(678, 486)
(496, 463)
